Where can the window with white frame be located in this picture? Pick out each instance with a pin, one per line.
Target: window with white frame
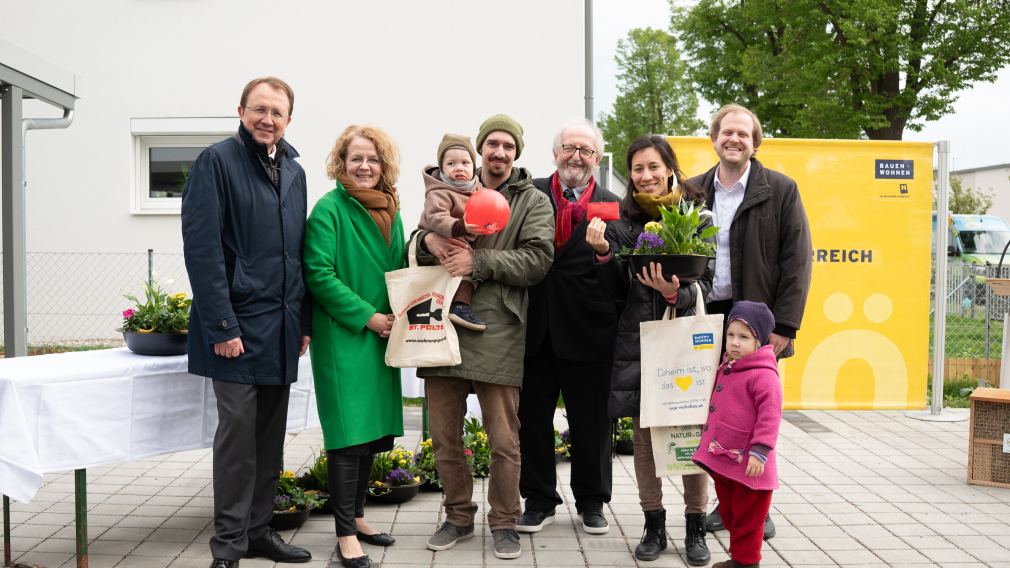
(165, 150)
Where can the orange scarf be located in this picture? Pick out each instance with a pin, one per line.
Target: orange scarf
(380, 203)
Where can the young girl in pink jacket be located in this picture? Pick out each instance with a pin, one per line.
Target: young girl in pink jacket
(738, 442)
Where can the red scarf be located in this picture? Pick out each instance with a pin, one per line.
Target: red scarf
(569, 214)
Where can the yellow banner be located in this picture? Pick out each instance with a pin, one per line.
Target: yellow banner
(865, 334)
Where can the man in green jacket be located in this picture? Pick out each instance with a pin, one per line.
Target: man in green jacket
(504, 265)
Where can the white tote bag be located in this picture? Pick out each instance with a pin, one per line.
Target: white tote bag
(419, 296)
(672, 448)
(680, 357)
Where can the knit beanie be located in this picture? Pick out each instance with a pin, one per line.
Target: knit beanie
(505, 123)
(455, 141)
(756, 316)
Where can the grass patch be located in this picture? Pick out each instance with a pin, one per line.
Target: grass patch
(966, 337)
(955, 392)
(413, 400)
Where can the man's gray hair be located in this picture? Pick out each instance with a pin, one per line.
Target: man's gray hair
(583, 125)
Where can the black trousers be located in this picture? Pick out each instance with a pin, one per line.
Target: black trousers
(585, 388)
(248, 458)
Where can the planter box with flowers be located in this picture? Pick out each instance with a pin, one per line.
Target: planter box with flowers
(394, 478)
(292, 504)
(157, 324)
(677, 242)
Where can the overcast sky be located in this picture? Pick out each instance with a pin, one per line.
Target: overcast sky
(976, 129)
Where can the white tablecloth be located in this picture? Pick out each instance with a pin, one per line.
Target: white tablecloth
(84, 409)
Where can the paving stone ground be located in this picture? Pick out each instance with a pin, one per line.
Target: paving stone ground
(858, 489)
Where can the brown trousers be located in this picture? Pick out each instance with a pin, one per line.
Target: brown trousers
(650, 487)
(499, 405)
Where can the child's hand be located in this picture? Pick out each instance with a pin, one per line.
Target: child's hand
(474, 229)
(754, 467)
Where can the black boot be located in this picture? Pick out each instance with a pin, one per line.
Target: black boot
(654, 540)
(694, 540)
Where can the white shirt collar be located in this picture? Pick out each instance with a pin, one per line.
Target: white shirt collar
(741, 183)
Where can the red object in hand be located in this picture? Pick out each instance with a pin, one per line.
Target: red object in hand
(605, 210)
(487, 209)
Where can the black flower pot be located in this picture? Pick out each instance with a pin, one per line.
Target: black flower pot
(288, 520)
(625, 447)
(393, 495)
(687, 267)
(557, 457)
(156, 343)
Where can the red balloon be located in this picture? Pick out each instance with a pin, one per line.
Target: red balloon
(487, 209)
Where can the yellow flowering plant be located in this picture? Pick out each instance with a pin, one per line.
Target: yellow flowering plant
(290, 497)
(157, 312)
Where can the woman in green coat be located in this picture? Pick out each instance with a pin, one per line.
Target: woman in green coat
(352, 238)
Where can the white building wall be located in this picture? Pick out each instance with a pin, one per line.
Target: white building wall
(415, 69)
(995, 180)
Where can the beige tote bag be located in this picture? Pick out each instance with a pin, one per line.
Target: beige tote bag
(419, 296)
(680, 357)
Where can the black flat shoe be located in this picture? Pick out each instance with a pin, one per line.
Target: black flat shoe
(377, 539)
(356, 562)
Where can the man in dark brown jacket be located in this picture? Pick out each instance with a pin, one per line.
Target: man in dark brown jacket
(763, 244)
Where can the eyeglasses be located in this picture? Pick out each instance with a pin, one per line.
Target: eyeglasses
(569, 149)
(263, 111)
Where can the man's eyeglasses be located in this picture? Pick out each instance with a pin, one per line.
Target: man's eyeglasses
(569, 149)
(263, 111)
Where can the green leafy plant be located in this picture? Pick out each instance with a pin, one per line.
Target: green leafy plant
(157, 312)
(291, 497)
(677, 232)
(316, 476)
(625, 430)
(477, 448)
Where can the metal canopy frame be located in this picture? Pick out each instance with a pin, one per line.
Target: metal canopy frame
(24, 76)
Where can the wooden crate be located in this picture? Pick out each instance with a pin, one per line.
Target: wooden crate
(990, 420)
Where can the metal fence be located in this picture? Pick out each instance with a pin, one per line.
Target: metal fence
(974, 321)
(77, 298)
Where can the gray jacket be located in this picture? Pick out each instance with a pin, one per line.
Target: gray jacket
(505, 264)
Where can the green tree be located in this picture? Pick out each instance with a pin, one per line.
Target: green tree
(966, 200)
(655, 96)
(843, 68)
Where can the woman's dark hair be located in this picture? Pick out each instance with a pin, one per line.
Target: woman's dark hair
(629, 207)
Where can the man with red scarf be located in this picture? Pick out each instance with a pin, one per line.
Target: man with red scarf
(569, 347)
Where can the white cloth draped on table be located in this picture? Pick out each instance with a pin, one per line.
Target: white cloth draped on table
(89, 408)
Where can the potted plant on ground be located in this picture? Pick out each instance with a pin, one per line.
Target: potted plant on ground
(393, 478)
(316, 478)
(676, 242)
(476, 448)
(562, 450)
(424, 465)
(624, 442)
(158, 324)
(292, 504)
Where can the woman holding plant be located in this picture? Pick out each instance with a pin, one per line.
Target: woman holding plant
(352, 238)
(656, 183)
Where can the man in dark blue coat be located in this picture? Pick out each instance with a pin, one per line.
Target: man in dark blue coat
(243, 217)
(569, 347)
